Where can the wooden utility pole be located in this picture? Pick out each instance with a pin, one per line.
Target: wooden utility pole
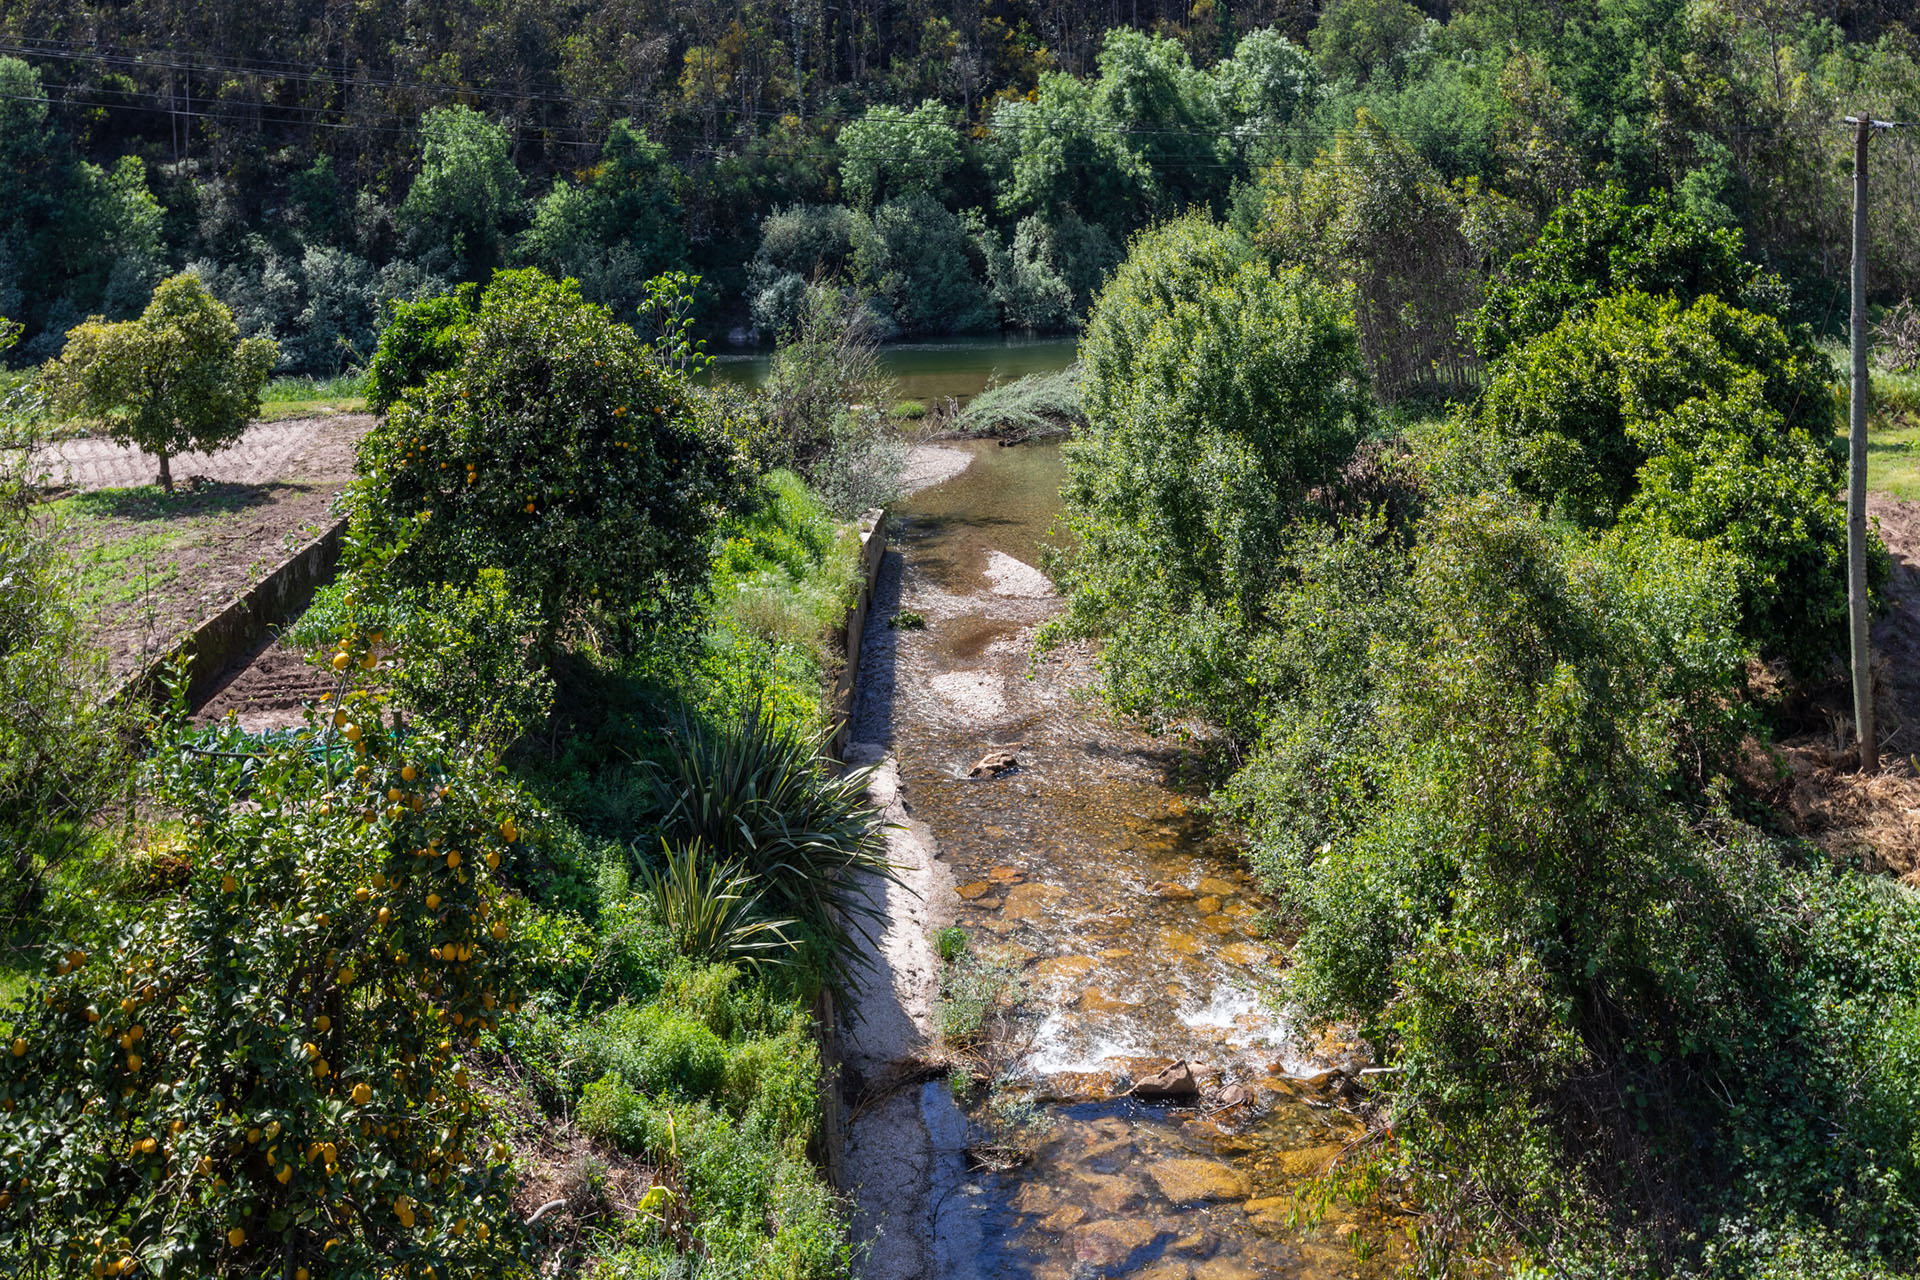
(1857, 603)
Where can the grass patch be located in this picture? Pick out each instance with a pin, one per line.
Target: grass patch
(285, 398)
(1038, 404)
(1893, 434)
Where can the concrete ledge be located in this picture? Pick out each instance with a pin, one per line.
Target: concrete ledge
(826, 1020)
(873, 545)
(230, 635)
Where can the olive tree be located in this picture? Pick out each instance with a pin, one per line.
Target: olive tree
(178, 378)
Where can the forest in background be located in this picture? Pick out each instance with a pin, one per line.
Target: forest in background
(972, 166)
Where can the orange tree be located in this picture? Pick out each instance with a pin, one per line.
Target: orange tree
(558, 450)
(262, 1074)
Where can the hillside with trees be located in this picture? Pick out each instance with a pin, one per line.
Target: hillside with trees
(974, 169)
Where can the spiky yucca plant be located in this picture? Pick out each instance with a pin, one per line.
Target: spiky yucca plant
(712, 908)
(757, 793)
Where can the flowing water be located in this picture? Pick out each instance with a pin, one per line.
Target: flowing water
(1136, 934)
(931, 372)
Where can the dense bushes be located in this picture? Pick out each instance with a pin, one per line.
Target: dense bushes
(1702, 421)
(1555, 948)
(558, 451)
(1218, 394)
(1481, 690)
(60, 737)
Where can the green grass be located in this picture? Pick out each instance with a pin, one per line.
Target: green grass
(1893, 435)
(111, 569)
(306, 397)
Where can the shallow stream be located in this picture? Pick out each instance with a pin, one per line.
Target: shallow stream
(1136, 935)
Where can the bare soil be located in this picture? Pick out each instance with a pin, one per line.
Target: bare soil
(269, 690)
(1816, 786)
(152, 565)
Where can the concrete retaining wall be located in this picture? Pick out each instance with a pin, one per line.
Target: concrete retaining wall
(826, 1019)
(873, 545)
(213, 647)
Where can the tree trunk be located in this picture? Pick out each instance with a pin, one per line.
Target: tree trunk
(166, 473)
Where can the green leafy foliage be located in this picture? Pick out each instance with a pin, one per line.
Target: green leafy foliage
(558, 451)
(179, 378)
(711, 910)
(1373, 213)
(468, 192)
(1528, 907)
(756, 793)
(265, 1069)
(914, 254)
(1218, 392)
(1602, 242)
(618, 228)
(421, 338)
(892, 152)
(1700, 420)
(60, 734)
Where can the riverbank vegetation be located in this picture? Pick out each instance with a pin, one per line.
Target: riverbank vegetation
(1499, 689)
(505, 956)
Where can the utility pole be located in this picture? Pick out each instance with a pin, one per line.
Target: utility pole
(1857, 603)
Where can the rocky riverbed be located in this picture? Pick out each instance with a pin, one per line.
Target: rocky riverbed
(1133, 940)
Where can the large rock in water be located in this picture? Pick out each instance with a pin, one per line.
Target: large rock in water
(1195, 1181)
(994, 764)
(1175, 1083)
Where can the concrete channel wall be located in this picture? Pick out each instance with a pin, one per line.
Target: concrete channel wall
(213, 647)
(846, 687)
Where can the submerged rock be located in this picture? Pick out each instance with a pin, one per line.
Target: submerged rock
(1113, 1241)
(1026, 901)
(994, 764)
(1195, 1181)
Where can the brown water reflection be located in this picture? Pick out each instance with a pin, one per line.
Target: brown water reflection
(1138, 935)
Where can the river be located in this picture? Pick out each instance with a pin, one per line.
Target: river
(931, 372)
(1136, 936)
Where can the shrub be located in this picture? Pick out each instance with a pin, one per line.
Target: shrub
(914, 253)
(614, 1111)
(1218, 393)
(463, 659)
(1597, 244)
(829, 360)
(712, 911)
(1037, 404)
(559, 452)
(1374, 214)
(756, 792)
(61, 736)
(421, 338)
(467, 194)
(264, 1071)
(178, 378)
(655, 1049)
(864, 466)
(1703, 421)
